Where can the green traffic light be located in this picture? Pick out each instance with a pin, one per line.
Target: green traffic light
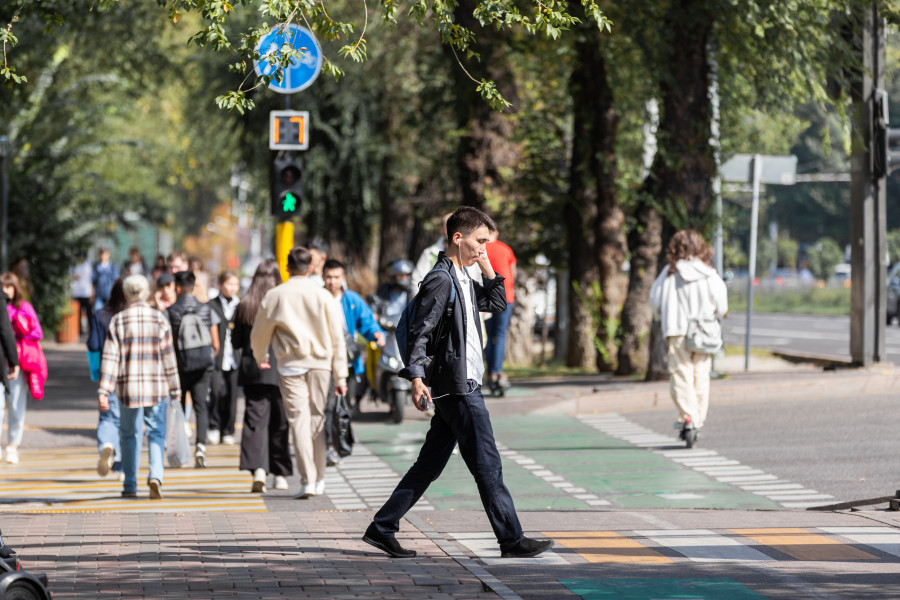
(289, 203)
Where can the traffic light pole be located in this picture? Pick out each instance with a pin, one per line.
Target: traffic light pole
(868, 235)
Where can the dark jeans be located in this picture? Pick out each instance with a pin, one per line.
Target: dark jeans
(463, 420)
(223, 401)
(353, 383)
(265, 438)
(495, 350)
(87, 311)
(197, 383)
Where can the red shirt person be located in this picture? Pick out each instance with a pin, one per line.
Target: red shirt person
(503, 261)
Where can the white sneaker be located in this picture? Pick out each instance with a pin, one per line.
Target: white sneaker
(259, 481)
(320, 487)
(306, 491)
(281, 482)
(12, 455)
(105, 463)
(212, 437)
(229, 440)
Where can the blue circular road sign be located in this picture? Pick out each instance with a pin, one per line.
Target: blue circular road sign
(302, 71)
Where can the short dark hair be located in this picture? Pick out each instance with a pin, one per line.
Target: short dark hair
(318, 244)
(185, 280)
(332, 263)
(225, 276)
(467, 219)
(298, 260)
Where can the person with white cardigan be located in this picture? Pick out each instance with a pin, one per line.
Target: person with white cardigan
(688, 291)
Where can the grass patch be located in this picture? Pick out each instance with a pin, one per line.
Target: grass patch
(812, 301)
(553, 368)
(739, 350)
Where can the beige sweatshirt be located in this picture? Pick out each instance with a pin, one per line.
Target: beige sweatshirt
(305, 325)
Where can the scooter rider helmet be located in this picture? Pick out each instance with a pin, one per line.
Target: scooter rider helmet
(399, 268)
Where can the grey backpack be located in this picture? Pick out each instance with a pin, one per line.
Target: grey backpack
(194, 344)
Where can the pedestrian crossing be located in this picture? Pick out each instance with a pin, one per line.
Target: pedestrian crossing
(64, 480)
(709, 462)
(363, 481)
(668, 546)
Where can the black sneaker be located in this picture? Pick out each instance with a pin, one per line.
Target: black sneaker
(387, 544)
(526, 548)
(129, 494)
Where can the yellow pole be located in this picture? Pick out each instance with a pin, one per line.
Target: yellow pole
(284, 241)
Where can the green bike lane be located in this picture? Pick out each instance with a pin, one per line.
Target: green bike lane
(545, 455)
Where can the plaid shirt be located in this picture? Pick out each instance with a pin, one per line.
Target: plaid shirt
(138, 358)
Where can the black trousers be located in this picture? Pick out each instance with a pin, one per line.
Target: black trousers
(265, 438)
(197, 384)
(223, 401)
(462, 420)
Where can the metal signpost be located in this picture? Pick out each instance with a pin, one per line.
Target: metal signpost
(757, 169)
(288, 130)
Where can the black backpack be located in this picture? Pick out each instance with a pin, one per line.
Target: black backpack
(194, 348)
(409, 315)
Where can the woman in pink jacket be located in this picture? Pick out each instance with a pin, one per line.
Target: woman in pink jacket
(34, 368)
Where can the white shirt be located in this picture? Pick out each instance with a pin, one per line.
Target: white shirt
(81, 279)
(474, 363)
(229, 362)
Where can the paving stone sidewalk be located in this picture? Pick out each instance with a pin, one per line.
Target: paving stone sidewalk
(222, 555)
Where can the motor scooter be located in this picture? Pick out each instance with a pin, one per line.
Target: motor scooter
(16, 584)
(384, 365)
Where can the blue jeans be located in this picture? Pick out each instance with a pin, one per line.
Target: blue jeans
(131, 434)
(495, 350)
(108, 431)
(17, 400)
(463, 420)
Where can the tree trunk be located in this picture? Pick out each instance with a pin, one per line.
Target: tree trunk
(679, 182)
(595, 221)
(397, 220)
(520, 337)
(487, 150)
(645, 241)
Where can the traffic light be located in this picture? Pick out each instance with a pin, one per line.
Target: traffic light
(884, 138)
(287, 188)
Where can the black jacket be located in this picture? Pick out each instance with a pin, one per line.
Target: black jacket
(449, 371)
(224, 325)
(249, 372)
(9, 356)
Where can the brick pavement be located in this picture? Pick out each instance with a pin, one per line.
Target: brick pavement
(229, 555)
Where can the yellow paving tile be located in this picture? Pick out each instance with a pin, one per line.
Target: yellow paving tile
(607, 547)
(65, 480)
(804, 545)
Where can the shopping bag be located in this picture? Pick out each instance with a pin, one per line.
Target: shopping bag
(342, 428)
(178, 448)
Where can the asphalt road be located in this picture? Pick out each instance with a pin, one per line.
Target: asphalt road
(846, 448)
(825, 336)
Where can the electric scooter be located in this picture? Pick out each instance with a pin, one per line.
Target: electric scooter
(16, 584)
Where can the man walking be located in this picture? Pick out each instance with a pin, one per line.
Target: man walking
(139, 365)
(503, 262)
(304, 325)
(358, 317)
(456, 373)
(196, 333)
